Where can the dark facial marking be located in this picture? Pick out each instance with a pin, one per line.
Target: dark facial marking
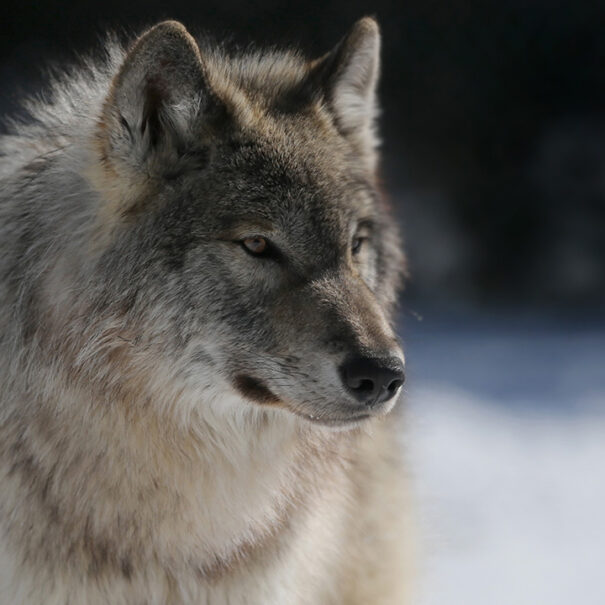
(254, 389)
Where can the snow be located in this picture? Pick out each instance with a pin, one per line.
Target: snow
(506, 442)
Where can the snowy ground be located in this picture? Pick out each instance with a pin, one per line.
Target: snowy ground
(507, 446)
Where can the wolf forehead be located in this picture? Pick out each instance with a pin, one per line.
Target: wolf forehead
(293, 179)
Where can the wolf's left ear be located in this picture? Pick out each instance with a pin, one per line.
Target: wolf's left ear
(349, 75)
(151, 116)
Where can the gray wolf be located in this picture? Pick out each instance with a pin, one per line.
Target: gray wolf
(197, 275)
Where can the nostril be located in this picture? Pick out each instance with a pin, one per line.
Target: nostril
(394, 385)
(365, 385)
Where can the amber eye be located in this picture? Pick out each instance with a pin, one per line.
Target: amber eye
(357, 244)
(255, 245)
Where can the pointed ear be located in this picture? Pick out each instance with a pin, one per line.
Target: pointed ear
(152, 110)
(349, 75)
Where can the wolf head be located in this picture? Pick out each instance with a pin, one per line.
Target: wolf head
(241, 244)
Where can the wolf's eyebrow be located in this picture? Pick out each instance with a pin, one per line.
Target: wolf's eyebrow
(367, 223)
(366, 199)
(231, 225)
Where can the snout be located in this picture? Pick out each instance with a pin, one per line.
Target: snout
(373, 381)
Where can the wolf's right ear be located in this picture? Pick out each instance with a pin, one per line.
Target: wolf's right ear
(151, 113)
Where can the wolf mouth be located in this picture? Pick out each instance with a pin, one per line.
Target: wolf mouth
(255, 390)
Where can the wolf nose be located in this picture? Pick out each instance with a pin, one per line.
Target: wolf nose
(372, 381)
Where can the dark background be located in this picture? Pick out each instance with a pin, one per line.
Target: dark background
(493, 124)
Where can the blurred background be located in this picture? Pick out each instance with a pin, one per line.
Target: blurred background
(494, 156)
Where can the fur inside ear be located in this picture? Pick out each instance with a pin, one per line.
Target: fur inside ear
(349, 76)
(151, 112)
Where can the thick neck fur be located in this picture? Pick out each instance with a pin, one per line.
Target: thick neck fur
(130, 489)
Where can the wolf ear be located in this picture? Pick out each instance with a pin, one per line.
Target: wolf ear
(349, 75)
(151, 112)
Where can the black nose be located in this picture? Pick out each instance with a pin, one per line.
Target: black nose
(373, 381)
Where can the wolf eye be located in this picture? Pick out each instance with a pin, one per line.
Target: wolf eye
(357, 244)
(255, 245)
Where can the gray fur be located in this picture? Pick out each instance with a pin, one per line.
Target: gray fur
(151, 367)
